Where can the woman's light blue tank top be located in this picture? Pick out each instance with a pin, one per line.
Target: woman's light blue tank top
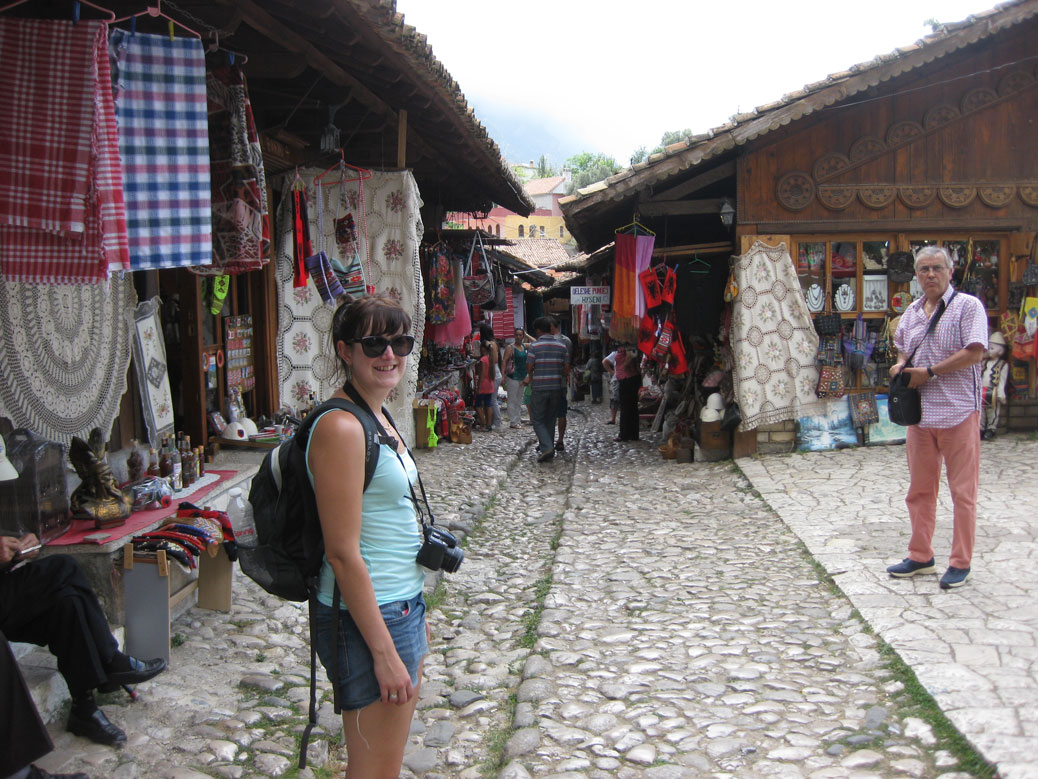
(390, 535)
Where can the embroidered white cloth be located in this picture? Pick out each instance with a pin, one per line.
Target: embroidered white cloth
(773, 340)
(389, 230)
(64, 352)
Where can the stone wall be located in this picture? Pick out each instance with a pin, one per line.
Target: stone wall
(778, 438)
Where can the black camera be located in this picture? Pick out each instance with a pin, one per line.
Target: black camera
(440, 550)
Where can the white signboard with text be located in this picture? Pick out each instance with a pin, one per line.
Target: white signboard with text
(589, 296)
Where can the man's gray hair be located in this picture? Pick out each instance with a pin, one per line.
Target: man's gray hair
(933, 251)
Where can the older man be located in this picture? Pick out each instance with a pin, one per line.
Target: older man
(946, 370)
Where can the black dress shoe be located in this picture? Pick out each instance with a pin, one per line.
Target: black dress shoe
(35, 772)
(130, 670)
(96, 727)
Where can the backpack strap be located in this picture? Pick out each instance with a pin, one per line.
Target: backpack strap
(367, 421)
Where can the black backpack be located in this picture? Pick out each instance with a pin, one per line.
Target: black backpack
(290, 548)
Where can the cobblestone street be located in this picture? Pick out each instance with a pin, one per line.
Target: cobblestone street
(616, 615)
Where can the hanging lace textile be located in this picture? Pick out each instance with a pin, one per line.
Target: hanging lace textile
(160, 105)
(774, 342)
(64, 354)
(241, 222)
(306, 361)
(62, 214)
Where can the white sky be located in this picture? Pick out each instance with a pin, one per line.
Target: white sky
(614, 76)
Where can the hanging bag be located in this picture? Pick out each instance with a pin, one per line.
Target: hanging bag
(478, 283)
(905, 404)
(499, 302)
(828, 324)
(350, 269)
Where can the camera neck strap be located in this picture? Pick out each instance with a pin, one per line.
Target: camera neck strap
(393, 443)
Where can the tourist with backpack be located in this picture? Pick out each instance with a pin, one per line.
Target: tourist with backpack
(372, 539)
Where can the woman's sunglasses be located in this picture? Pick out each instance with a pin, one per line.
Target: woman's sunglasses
(375, 345)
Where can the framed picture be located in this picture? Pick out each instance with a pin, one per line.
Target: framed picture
(884, 431)
(149, 357)
(832, 430)
(874, 292)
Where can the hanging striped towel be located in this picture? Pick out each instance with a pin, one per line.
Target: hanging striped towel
(62, 218)
(160, 103)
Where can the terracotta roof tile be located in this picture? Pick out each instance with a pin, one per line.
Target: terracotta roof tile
(539, 252)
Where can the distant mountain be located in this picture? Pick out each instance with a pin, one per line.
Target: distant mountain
(524, 138)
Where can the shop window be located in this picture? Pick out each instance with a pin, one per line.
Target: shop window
(849, 275)
(533, 231)
(497, 229)
(560, 231)
(520, 231)
(542, 231)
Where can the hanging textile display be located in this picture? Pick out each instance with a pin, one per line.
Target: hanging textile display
(439, 284)
(633, 254)
(160, 104)
(62, 215)
(306, 361)
(241, 224)
(773, 340)
(64, 354)
(503, 321)
(455, 332)
(348, 267)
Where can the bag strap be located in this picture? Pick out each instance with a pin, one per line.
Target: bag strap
(467, 270)
(367, 421)
(933, 323)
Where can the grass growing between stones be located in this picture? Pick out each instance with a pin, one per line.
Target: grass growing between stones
(495, 742)
(435, 599)
(533, 620)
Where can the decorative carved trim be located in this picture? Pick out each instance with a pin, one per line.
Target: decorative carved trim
(795, 190)
(866, 147)
(901, 133)
(977, 98)
(1014, 82)
(1029, 194)
(917, 195)
(836, 198)
(996, 195)
(956, 195)
(829, 164)
(940, 115)
(877, 195)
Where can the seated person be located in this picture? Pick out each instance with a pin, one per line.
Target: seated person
(49, 602)
(23, 737)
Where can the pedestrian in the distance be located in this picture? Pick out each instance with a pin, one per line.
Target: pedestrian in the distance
(486, 335)
(629, 379)
(484, 387)
(371, 538)
(946, 370)
(547, 365)
(609, 366)
(558, 335)
(515, 372)
(594, 369)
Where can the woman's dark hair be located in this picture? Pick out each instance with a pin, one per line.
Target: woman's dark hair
(372, 315)
(486, 332)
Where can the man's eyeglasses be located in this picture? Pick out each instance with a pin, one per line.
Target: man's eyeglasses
(375, 345)
(928, 269)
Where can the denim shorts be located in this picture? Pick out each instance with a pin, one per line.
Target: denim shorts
(358, 686)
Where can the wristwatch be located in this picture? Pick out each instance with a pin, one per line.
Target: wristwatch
(929, 372)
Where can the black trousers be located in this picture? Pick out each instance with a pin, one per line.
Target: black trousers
(23, 737)
(629, 422)
(50, 603)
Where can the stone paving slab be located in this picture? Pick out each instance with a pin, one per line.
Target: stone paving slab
(975, 649)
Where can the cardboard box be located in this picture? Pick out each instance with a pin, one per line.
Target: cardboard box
(423, 411)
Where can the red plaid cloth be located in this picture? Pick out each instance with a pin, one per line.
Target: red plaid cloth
(504, 321)
(62, 218)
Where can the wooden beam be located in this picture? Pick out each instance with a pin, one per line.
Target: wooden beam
(696, 183)
(267, 25)
(275, 65)
(710, 205)
(692, 248)
(401, 140)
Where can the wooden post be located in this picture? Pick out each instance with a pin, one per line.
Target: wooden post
(401, 140)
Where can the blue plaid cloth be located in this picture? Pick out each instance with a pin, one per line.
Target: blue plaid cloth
(160, 105)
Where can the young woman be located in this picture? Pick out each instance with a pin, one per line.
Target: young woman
(515, 355)
(371, 538)
(484, 386)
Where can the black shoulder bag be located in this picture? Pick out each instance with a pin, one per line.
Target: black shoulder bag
(905, 405)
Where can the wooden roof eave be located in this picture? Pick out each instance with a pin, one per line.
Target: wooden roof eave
(736, 134)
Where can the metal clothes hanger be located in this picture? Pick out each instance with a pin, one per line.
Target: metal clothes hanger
(156, 11)
(699, 266)
(75, 9)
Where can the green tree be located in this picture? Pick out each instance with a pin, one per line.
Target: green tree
(587, 168)
(545, 169)
(640, 155)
